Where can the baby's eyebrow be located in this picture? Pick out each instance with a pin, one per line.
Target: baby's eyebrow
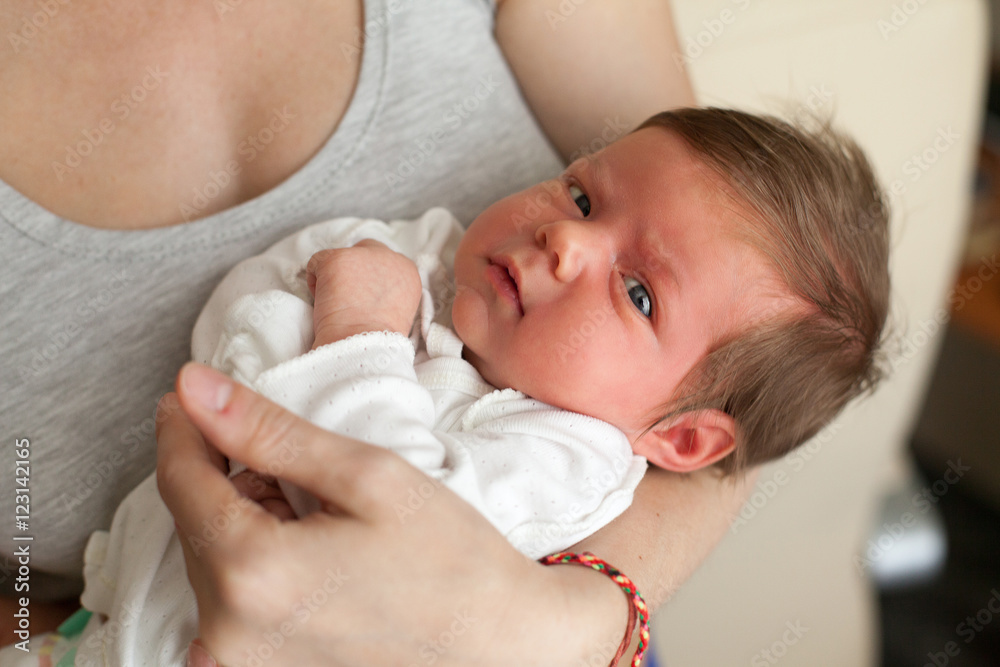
(657, 257)
(660, 267)
(599, 177)
(593, 174)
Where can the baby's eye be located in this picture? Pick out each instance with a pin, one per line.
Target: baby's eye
(580, 199)
(639, 296)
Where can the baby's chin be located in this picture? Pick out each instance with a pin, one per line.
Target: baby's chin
(486, 370)
(468, 317)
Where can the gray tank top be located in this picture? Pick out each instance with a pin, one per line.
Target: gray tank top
(96, 323)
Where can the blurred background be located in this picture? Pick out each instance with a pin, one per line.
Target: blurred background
(943, 585)
(878, 541)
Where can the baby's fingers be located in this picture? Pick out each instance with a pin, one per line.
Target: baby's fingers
(349, 475)
(316, 264)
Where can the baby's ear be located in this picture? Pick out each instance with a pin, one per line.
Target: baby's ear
(689, 441)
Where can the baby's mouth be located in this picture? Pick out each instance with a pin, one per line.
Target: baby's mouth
(505, 284)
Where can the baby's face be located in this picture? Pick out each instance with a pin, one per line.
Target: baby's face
(598, 291)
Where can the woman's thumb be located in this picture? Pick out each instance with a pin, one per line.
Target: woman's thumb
(266, 437)
(241, 423)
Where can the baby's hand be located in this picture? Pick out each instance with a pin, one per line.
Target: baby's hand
(365, 288)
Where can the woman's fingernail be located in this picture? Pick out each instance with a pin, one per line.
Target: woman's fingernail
(207, 386)
(199, 657)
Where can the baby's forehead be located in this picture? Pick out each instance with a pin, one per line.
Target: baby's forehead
(682, 170)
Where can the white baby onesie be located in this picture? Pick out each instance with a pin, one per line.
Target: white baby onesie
(545, 477)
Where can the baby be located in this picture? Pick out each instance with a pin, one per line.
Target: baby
(709, 290)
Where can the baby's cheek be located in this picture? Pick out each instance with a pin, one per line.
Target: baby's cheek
(551, 368)
(469, 319)
(488, 345)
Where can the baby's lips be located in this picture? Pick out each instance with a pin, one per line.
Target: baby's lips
(504, 283)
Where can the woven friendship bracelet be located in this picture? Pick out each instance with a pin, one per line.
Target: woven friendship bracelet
(637, 606)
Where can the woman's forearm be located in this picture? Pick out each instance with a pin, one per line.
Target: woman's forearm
(671, 527)
(673, 524)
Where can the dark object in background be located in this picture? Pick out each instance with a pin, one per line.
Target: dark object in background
(953, 620)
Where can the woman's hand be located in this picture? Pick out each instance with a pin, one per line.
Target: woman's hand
(395, 570)
(263, 490)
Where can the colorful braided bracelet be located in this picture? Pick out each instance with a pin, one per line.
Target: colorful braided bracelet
(637, 606)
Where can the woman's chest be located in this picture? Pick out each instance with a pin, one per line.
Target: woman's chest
(139, 118)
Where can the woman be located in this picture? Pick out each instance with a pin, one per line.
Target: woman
(147, 147)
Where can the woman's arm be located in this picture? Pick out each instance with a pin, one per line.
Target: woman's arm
(592, 71)
(362, 583)
(673, 524)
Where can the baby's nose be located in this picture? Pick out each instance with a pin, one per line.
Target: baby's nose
(572, 247)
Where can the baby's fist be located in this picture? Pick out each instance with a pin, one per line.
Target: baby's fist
(364, 288)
